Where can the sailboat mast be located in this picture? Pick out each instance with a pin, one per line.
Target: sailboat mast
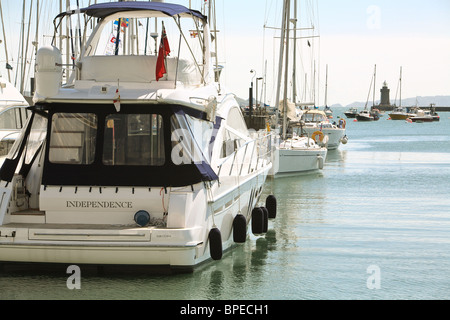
(24, 57)
(4, 39)
(374, 83)
(326, 86)
(294, 76)
(280, 63)
(400, 86)
(288, 13)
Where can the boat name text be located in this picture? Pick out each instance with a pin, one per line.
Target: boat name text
(100, 204)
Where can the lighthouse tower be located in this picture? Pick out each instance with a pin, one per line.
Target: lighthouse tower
(385, 100)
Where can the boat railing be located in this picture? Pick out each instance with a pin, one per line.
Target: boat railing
(242, 161)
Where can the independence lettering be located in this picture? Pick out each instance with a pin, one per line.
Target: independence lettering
(100, 204)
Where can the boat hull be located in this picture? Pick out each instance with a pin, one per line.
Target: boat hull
(173, 248)
(288, 161)
(350, 115)
(334, 136)
(394, 116)
(422, 119)
(364, 118)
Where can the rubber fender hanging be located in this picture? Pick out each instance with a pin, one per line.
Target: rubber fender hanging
(257, 221)
(239, 229)
(344, 139)
(271, 205)
(265, 219)
(320, 162)
(215, 244)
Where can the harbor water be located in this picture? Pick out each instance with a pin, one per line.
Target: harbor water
(373, 225)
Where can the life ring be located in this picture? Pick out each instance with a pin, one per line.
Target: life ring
(342, 123)
(318, 133)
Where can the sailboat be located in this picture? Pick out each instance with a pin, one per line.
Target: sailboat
(316, 124)
(294, 153)
(400, 113)
(365, 115)
(121, 166)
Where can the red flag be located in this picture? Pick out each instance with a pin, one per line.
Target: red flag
(164, 50)
(160, 64)
(165, 40)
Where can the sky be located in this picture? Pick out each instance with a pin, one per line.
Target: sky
(353, 37)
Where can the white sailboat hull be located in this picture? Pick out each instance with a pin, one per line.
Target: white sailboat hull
(298, 161)
(334, 136)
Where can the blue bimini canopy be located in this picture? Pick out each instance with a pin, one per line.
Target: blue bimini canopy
(103, 10)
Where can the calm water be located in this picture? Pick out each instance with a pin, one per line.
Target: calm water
(381, 203)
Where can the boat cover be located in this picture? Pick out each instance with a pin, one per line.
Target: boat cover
(103, 10)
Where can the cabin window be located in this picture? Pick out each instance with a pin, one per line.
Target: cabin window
(73, 138)
(191, 140)
(313, 117)
(134, 139)
(37, 135)
(234, 134)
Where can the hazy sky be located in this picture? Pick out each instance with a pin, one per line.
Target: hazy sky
(354, 36)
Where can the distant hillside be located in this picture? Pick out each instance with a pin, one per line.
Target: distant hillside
(439, 101)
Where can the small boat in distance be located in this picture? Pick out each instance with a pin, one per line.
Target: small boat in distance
(351, 113)
(366, 116)
(422, 116)
(400, 113)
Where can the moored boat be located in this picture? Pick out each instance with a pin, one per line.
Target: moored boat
(121, 166)
(351, 113)
(422, 116)
(293, 153)
(400, 114)
(365, 115)
(332, 134)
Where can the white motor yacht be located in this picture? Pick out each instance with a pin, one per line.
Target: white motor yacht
(138, 160)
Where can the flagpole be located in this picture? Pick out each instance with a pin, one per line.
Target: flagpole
(116, 50)
(4, 39)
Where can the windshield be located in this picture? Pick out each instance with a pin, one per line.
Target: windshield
(313, 117)
(142, 146)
